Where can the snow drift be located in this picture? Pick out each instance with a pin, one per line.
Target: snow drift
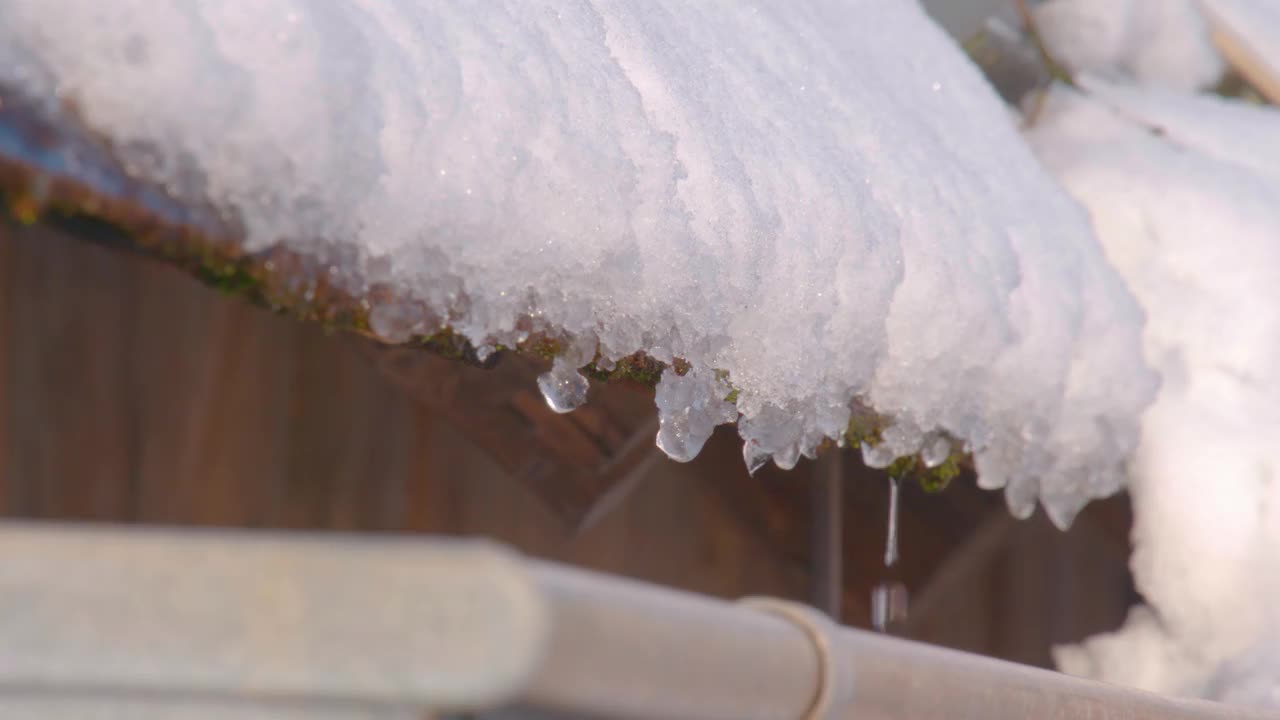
(1185, 194)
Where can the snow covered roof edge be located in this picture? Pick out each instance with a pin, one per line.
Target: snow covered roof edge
(816, 209)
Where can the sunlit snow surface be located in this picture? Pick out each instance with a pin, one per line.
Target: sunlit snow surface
(1163, 43)
(1185, 195)
(822, 199)
(1159, 43)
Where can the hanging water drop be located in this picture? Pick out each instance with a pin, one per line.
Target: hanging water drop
(787, 457)
(690, 406)
(563, 387)
(1020, 495)
(676, 438)
(888, 598)
(889, 605)
(936, 450)
(891, 541)
(877, 456)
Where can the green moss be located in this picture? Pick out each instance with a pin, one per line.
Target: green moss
(446, 343)
(360, 321)
(864, 427)
(271, 282)
(542, 346)
(645, 372)
(23, 208)
(902, 467)
(931, 480)
(229, 278)
(595, 373)
(723, 376)
(935, 480)
(638, 368)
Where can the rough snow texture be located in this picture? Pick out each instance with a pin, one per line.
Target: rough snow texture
(1163, 43)
(821, 198)
(1185, 195)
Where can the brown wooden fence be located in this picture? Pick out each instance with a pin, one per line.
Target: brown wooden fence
(129, 392)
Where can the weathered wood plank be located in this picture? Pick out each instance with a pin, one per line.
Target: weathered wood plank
(6, 351)
(214, 379)
(571, 462)
(64, 362)
(348, 438)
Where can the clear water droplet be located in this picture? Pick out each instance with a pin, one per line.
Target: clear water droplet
(891, 541)
(936, 450)
(563, 387)
(689, 409)
(676, 438)
(878, 457)
(889, 605)
(787, 457)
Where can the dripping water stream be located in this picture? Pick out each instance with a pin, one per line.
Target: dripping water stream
(889, 598)
(891, 540)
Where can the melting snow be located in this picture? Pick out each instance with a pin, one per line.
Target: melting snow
(810, 203)
(1185, 195)
(817, 205)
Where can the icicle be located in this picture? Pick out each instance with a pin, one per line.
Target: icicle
(889, 598)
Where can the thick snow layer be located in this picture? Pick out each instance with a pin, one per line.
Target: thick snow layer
(1185, 195)
(820, 200)
(1164, 43)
